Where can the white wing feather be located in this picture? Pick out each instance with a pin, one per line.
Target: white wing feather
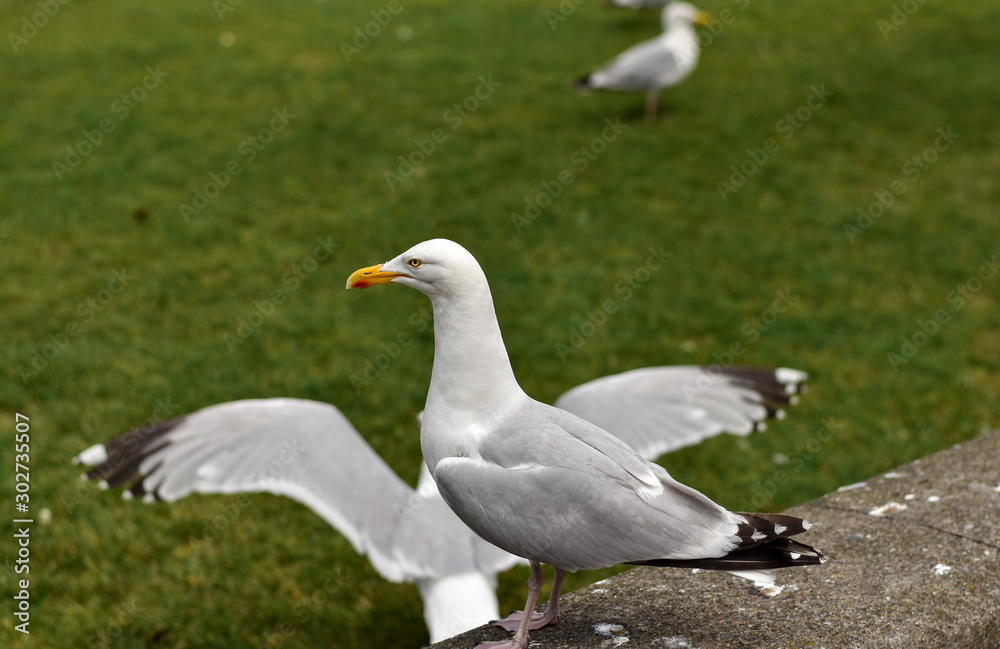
(310, 452)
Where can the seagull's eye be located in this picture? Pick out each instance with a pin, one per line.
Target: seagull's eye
(414, 263)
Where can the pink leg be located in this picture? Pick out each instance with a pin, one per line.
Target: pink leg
(538, 620)
(552, 608)
(652, 103)
(520, 639)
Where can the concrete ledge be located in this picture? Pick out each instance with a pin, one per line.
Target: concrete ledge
(923, 573)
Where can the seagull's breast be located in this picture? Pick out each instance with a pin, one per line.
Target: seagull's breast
(448, 431)
(443, 437)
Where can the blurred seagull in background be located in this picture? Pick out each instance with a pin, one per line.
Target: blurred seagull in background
(637, 4)
(655, 64)
(543, 483)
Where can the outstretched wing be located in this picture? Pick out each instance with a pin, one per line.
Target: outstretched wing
(656, 410)
(307, 451)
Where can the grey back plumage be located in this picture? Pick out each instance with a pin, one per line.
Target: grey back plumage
(567, 472)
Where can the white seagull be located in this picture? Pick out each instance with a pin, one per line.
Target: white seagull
(655, 64)
(544, 484)
(637, 4)
(309, 451)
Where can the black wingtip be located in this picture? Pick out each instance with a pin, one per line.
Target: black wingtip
(767, 527)
(775, 391)
(781, 553)
(126, 453)
(764, 545)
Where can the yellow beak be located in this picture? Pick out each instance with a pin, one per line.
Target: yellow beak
(365, 277)
(703, 18)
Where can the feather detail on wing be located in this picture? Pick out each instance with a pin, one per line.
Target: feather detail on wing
(307, 451)
(599, 502)
(656, 410)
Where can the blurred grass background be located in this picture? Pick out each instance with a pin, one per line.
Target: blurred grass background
(110, 573)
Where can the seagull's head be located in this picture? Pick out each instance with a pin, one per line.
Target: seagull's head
(682, 12)
(435, 267)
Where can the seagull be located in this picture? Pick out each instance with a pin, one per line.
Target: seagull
(655, 64)
(637, 4)
(544, 484)
(309, 451)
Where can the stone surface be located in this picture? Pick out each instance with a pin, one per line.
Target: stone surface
(923, 572)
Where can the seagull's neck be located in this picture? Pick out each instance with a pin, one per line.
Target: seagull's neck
(682, 40)
(472, 371)
(682, 34)
(472, 384)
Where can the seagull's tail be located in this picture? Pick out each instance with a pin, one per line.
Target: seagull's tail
(782, 553)
(764, 545)
(582, 84)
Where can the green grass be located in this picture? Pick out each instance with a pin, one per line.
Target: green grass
(111, 572)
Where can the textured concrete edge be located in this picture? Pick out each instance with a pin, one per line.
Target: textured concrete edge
(914, 559)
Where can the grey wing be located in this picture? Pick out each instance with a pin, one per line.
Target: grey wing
(438, 516)
(439, 544)
(638, 4)
(656, 410)
(566, 501)
(643, 66)
(307, 451)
